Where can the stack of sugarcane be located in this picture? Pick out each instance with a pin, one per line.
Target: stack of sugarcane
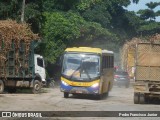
(131, 46)
(128, 47)
(155, 38)
(13, 32)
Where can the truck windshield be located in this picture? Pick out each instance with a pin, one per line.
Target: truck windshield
(81, 66)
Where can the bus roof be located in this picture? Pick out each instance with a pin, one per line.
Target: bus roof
(107, 51)
(88, 49)
(84, 49)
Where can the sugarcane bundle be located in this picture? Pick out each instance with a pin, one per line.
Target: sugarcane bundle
(13, 34)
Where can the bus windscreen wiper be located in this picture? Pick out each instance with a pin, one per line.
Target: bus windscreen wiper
(87, 74)
(74, 72)
(85, 71)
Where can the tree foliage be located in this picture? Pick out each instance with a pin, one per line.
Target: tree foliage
(97, 23)
(11, 9)
(149, 13)
(67, 29)
(149, 26)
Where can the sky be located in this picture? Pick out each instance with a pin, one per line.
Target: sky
(141, 5)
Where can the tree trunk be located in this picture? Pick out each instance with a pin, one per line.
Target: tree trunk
(22, 14)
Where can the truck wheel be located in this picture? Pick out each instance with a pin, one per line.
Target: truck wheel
(66, 95)
(36, 87)
(136, 98)
(142, 99)
(1, 86)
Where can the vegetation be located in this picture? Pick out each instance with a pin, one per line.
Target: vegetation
(66, 23)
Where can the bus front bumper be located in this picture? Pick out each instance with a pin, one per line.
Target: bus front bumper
(79, 90)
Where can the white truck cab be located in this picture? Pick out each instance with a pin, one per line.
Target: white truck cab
(40, 67)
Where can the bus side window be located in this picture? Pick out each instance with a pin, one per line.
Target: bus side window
(109, 62)
(112, 61)
(103, 62)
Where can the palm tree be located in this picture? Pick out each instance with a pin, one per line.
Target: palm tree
(150, 14)
(22, 14)
(135, 1)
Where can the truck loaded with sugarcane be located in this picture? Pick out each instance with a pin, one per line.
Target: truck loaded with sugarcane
(20, 67)
(141, 59)
(128, 52)
(147, 72)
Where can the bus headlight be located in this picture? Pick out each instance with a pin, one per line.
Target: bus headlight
(95, 85)
(64, 83)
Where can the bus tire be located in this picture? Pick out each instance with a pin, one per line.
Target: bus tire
(66, 95)
(1, 86)
(109, 88)
(99, 97)
(36, 87)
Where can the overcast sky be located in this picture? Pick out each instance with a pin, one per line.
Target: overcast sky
(141, 5)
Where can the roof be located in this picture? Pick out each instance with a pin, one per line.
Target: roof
(88, 50)
(84, 49)
(107, 51)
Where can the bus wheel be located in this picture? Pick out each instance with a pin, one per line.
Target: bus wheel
(99, 97)
(1, 86)
(107, 93)
(36, 87)
(66, 95)
(136, 98)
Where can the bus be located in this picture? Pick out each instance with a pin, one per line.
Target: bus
(87, 70)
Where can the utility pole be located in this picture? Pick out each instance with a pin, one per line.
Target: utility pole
(22, 14)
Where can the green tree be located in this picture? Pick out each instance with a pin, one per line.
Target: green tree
(135, 1)
(63, 29)
(11, 9)
(67, 23)
(148, 25)
(149, 13)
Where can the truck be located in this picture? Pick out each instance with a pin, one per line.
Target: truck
(128, 59)
(128, 54)
(22, 72)
(147, 72)
(20, 67)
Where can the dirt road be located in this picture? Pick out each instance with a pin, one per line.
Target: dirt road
(119, 99)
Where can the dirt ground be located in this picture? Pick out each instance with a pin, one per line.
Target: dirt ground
(51, 99)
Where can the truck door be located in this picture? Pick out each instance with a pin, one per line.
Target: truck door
(40, 67)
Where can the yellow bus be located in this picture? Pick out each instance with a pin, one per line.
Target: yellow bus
(87, 70)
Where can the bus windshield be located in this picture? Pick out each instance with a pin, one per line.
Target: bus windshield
(81, 66)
